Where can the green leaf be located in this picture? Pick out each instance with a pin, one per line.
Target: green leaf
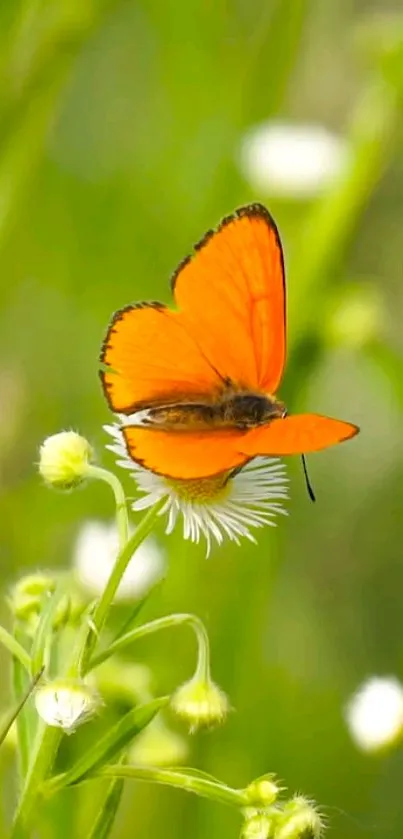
(27, 718)
(197, 773)
(106, 817)
(187, 780)
(11, 715)
(131, 621)
(15, 648)
(110, 745)
(44, 629)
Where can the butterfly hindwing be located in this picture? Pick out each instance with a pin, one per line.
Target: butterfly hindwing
(298, 434)
(184, 456)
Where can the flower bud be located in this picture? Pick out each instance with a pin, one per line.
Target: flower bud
(35, 585)
(27, 596)
(263, 791)
(66, 704)
(300, 819)
(258, 826)
(64, 459)
(201, 703)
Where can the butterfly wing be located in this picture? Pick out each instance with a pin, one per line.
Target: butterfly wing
(232, 295)
(184, 456)
(299, 434)
(150, 358)
(203, 454)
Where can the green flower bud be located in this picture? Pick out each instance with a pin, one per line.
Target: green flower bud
(64, 459)
(201, 703)
(27, 596)
(263, 791)
(258, 826)
(300, 819)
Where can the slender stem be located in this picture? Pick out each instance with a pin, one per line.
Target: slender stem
(47, 745)
(104, 604)
(203, 662)
(26, 719)
(180, 779)
(122, 520)
(15, 648)
(13, 714)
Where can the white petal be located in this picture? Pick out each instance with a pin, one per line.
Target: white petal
(252, 500)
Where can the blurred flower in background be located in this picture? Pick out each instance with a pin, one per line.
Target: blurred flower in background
(291, 160)
(374, 715)
(95, 553)
(158, 745)
(357, 316)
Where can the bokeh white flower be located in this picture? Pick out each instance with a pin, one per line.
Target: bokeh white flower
(95, 553)
(291, 159)
(374, 715)
(226, 505)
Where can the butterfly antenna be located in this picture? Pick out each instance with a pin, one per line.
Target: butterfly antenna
(307, 481)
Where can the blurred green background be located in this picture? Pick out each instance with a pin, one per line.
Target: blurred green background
(121, 129)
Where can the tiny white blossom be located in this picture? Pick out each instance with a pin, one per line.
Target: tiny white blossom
(226, 505)
(95, 553)
(374, 715)
(291, 160)
(66, 704)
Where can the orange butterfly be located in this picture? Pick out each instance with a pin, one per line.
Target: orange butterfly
(197, 385)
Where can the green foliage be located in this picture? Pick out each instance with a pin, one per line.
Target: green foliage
(121, 124)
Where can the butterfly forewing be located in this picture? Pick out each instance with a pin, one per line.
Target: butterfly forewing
(232, 294)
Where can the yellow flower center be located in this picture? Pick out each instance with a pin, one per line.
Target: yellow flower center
(201, 490)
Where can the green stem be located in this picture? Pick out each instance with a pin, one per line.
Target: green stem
(180, 779)
(13, 714)
(47, 745)
(15, 648)
(203, 661)
(122, 520)
(104, 604)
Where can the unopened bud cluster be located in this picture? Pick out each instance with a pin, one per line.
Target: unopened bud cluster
(296, 818)
(29, 595)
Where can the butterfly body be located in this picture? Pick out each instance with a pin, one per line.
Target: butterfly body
(231, 410)
(195, 386)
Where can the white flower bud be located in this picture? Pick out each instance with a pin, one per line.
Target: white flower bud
(66, 704)
(64, 459)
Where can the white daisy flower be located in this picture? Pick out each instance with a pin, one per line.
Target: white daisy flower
(95, 553)
(374, 715)
(291, 160)
(216, 507)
